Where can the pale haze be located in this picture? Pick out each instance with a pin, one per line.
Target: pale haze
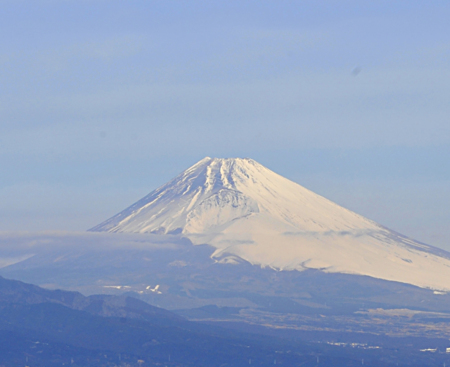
(101, 102)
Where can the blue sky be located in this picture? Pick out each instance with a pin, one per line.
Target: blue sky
(103, 101)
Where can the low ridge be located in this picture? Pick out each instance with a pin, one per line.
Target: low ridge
(247, 211)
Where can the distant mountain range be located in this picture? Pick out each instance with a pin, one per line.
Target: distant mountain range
(53, 328)
(249, 213)
(39, 327)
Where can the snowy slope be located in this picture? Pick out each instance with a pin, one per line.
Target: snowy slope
(245, 210)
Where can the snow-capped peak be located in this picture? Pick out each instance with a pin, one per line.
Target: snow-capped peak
(244, 209)
(216, 191)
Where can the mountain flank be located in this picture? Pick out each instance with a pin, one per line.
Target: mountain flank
(249, 213)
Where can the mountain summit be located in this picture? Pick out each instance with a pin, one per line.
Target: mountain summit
(248, 212)
(215, 194)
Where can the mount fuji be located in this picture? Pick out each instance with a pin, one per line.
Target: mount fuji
(248, 213)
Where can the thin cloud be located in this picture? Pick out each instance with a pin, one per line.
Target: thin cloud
(22, 243)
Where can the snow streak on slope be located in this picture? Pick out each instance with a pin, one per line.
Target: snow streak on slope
(244, 209)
